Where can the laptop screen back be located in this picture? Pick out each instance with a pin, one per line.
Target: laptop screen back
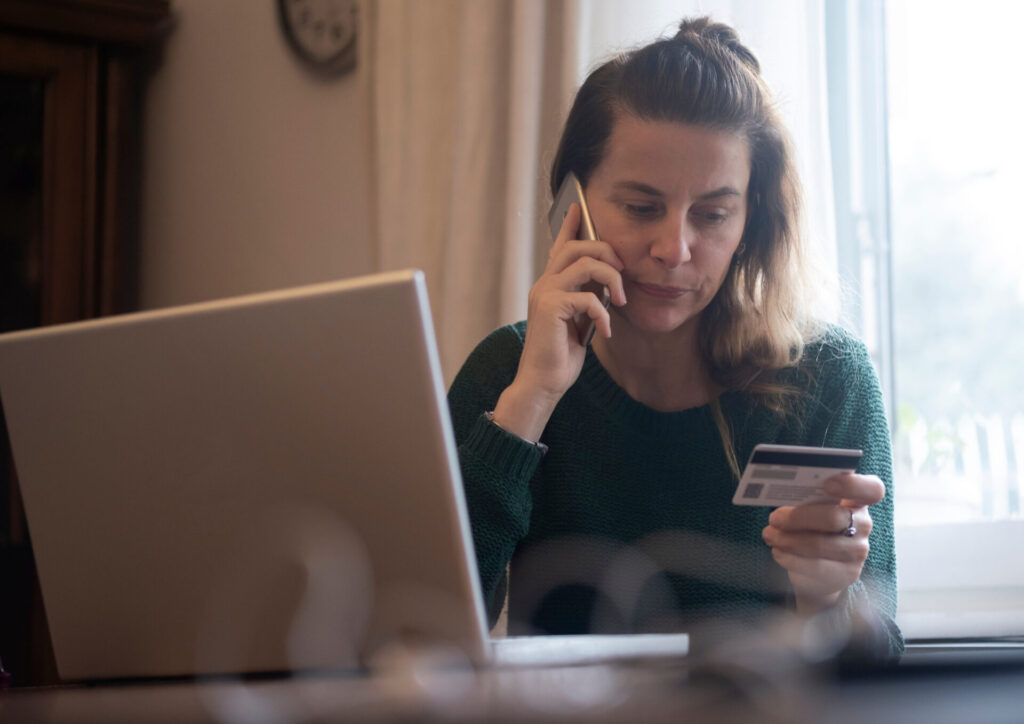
(260, 484)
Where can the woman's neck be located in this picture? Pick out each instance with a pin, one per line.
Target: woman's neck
(663, 371)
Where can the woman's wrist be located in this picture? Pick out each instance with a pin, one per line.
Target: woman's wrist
(523, 412)
(489, 415)
(808, 605)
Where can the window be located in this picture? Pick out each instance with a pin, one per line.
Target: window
(958, 291)
(927, 163)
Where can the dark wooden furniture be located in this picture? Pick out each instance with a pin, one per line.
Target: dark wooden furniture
(71, 79)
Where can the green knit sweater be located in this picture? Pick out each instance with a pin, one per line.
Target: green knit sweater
(627, 523)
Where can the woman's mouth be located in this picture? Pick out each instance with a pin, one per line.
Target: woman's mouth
(659, 291)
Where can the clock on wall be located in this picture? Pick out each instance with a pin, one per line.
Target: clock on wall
(321, 32)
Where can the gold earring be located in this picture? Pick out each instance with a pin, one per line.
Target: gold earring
(738, 255)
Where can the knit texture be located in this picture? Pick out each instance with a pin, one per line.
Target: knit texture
(627, 524)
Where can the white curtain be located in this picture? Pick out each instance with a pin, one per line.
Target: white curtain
(468, 97)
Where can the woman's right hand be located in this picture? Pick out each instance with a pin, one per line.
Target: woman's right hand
(552, 356)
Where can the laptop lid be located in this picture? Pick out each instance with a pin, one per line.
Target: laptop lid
(264, 483)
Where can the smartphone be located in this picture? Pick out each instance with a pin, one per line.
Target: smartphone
(571, 193)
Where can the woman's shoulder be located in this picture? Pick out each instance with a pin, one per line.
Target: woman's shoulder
(506, 338)
(832, 346)
(495, 359)
(832, 355)
(834, 362)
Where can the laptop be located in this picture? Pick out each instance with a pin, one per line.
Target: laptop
(262, 484)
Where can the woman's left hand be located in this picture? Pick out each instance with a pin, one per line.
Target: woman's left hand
(810, 541)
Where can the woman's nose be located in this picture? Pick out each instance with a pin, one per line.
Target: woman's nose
(672, 245)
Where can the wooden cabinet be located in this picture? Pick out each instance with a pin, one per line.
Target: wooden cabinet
(71, 90)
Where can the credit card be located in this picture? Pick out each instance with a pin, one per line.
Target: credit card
(778, 475)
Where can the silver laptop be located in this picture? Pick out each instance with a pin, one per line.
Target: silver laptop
(261, 484)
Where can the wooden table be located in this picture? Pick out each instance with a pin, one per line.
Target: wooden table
(720, 691)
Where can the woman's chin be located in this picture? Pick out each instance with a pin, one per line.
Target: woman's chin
(654, 321)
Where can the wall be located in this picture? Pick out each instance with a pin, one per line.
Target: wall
(256, 173)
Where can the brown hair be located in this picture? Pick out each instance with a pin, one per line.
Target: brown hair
(758, 322)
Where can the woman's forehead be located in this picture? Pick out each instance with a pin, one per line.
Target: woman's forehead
(669, 154)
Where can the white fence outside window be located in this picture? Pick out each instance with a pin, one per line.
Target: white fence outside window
(958, 470)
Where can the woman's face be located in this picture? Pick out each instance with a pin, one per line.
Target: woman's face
(671, 200)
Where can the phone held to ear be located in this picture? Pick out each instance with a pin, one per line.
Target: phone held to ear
(571, 193)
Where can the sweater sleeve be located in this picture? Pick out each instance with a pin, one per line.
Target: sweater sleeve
(854, 417)
(496, 466)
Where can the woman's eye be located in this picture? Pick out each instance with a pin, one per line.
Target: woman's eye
(642, 211)
(711, 216)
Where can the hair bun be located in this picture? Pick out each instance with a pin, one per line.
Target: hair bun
(704, 30)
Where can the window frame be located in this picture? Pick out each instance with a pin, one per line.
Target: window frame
(953, 578)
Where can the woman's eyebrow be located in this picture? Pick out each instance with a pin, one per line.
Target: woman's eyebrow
(638, 186)
(652, 191)
(718, 193)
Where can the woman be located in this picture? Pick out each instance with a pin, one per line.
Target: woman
(601, 477)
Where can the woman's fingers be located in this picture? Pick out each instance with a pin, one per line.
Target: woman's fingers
(573, 263)
(569, 289)
(570, 225)
(570, 229)
(595, 310)
(565, 305)
(828, 546)
(583, 272)
(856, 493)
(811, 541)
(581, 262)
(824, 518)
(570, 252)
(588, 269)
(568, 246)
(855, 490)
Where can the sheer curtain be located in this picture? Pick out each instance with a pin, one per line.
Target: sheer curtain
(468, 97)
